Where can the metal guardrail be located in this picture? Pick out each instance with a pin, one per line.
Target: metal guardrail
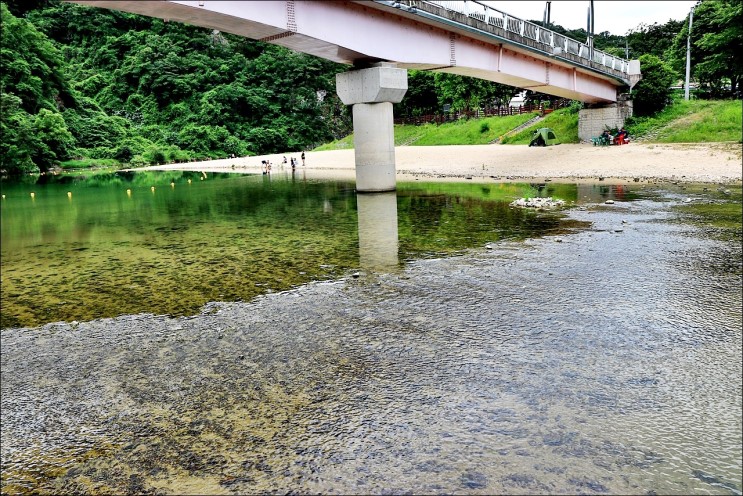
(555, 42)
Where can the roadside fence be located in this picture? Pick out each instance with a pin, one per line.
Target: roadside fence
(499, 111)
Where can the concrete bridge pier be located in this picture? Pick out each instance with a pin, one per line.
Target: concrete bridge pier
(594, 119)
(372, 91)
(378, 238)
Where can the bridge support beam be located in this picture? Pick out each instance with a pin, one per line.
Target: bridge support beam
(372, 91)
(594, 119)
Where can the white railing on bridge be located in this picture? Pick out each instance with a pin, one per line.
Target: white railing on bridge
(529, 30)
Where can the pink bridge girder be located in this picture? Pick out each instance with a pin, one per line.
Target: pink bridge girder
(353, 32)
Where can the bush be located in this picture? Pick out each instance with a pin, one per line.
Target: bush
(575, 106)
(177, 155)
(154, 156)
(123, 154)
(653, 91)
(233, 145)
(138, 161)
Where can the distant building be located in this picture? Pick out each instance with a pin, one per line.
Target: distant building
(518, 100)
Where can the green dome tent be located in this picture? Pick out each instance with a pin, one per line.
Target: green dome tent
(544, 136)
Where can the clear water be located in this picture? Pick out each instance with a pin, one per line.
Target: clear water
(604, 358)
(168, 243)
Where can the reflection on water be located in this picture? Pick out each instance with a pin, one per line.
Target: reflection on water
(607, 363)
(170, 242)
(378, 231)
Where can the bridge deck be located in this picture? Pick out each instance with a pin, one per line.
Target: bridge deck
(414, 34)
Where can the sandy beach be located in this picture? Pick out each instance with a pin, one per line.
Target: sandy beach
(711, 162)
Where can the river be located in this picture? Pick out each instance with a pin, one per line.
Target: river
(596, 351)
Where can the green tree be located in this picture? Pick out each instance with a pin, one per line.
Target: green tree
(421, 97)
(18, 139)
(55, 139)
(31, 65)
(654, 39)
(652, 93)
(465, 93)
(33, 89)
(717, 46)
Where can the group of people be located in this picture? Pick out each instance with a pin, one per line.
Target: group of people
(622, 137)
(266, 164)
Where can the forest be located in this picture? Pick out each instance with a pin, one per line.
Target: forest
(86, 84)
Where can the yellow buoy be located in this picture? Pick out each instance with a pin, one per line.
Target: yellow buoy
(33, 195)
(152, 189)
(69, 194)
(202, 178)
(128, 192)
(189, 181)
(172, 185)
(3, 197)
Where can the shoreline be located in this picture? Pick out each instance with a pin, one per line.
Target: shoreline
(635, 162)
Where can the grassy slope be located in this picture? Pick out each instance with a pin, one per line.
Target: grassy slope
(463, 132)
(695, 121)
(562, 122)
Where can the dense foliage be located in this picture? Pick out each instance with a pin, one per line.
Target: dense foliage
(429, 92)
(717, 47)
(103, 84)
(34, 91)
(653, 91)
(88, 84)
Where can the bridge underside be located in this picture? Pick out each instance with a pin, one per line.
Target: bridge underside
(381, 42)
(364, 32)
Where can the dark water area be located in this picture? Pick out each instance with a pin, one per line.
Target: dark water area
(592, 351)
(168, 243)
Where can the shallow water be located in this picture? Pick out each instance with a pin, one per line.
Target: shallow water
(602, 360)
(168, 243)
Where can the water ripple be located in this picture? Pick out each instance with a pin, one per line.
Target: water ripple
(605, 363)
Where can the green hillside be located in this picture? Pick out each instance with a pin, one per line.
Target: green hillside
(694, 121)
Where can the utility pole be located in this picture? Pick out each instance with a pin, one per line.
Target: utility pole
(688, 55)
(626, 47)
(589, 28)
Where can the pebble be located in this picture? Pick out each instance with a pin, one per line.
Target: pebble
(548, 202)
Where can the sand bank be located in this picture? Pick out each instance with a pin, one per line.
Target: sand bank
(712, 162)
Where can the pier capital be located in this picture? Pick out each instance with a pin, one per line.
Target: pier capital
(382, 83)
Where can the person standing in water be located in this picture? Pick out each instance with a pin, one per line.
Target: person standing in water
(302, 159)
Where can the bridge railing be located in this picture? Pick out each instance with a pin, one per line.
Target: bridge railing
(556, 42)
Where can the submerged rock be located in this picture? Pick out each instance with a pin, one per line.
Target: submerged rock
(547, 202)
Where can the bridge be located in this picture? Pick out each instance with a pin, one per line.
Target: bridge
(381, 39)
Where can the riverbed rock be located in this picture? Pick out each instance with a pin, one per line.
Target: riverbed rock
(538, 203)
